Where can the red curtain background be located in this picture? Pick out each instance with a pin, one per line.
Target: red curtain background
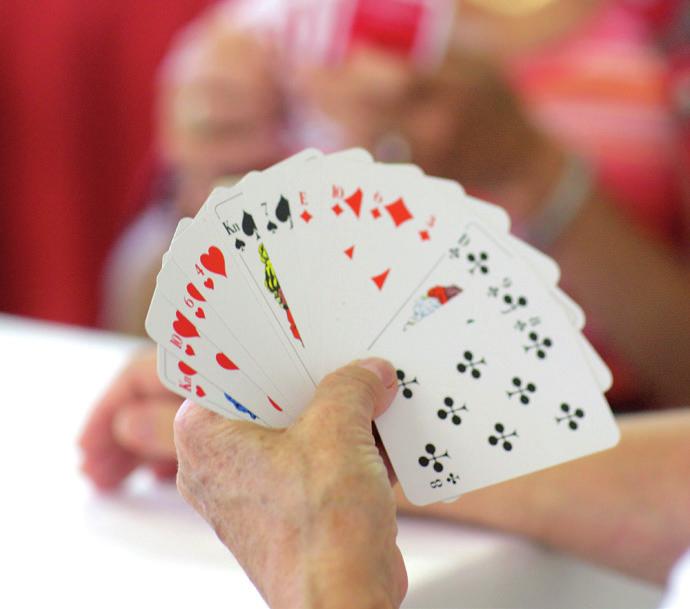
(76, 93)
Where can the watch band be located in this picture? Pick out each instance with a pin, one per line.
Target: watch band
(568, 197)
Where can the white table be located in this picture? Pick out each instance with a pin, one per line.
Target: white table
(64, 545)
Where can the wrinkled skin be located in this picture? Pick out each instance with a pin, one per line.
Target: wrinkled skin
(308, 511)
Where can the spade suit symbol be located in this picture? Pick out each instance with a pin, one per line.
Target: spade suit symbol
(248, 225)
(283, 210)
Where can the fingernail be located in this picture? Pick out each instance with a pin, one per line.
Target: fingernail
(381, 368)
(183, 409)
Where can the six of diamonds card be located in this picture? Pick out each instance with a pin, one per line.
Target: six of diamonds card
(323, 259)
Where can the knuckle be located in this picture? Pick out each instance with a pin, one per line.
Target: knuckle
(351, 384)
(182, 486)
(190, 426)
(182, 431)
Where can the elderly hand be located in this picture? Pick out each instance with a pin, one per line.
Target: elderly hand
(131, 426)
(308, 511)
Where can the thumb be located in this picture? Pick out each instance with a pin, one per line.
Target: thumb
(353, 396)
(147, 431)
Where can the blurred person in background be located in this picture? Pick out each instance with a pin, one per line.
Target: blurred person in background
(573, 115)
(575, 106)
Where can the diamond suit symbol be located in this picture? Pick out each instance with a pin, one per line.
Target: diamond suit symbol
(398, 212)
(354, 201)
(380, 280)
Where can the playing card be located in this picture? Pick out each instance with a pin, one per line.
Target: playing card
(365, 211)
(328, 31)
(512, 357)
(484, 416)
(185, 381)
(185, 295)
(177, 333)
(268, 216)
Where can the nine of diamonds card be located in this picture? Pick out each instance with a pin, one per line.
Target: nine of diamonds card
(323, 259)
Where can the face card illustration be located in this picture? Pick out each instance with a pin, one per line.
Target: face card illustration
(272, 219)
(226, 290)
(402, 233)
(260, 215)
(254, 260)
(466, 269)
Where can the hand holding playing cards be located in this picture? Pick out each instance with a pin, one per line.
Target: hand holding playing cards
(308, 511)
(323, 259)
(131, 426)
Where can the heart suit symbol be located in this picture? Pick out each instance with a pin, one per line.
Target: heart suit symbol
(214, 261)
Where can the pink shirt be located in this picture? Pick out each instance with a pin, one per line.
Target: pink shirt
(610, 93)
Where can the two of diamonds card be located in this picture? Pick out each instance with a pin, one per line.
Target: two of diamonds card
(323, 259)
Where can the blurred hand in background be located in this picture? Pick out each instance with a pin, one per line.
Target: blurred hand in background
(227, 96)
(461, 121)
(131, 426)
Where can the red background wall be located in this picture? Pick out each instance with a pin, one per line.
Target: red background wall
(76, 92)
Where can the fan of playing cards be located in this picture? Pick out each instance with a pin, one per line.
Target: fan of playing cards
(323, 259)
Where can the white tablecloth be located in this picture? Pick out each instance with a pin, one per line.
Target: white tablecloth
(64, 545)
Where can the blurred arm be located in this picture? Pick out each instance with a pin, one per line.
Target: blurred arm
(638, 290)
(635, 286)
(625, 508)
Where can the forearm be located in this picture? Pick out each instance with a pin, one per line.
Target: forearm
(635, 288)
(625, 508)
(337, 562)
(631, 284)
(321, 595)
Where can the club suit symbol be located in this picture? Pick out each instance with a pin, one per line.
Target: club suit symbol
(453, 478)
(450, 411)
(539, 346)
(478, 262)
(524, 390)
(502, 438)
(405, 384)
(431, 458)
(471, 364)
(572, 416)
(513, 303)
